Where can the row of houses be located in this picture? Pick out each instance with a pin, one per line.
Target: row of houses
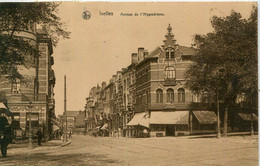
(149, 95)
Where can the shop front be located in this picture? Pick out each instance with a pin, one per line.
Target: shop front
(203, 122)
(169, 123)
(139, 124)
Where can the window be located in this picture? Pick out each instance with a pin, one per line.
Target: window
(169, 53)
(172, 54)
(170, 95)
(124, 84)
(170, 72)
(159, 96)
(16, 86)
(181, 95)
(34, 120)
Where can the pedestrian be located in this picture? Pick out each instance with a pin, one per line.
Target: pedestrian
(39, 136)
(70, 134)
(5, 135)
(145, 133)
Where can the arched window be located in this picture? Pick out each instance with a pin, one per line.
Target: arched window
(159, 96)
(172, 53)
(170, 72)
(181, 95)
(167, 54)
(170, 95)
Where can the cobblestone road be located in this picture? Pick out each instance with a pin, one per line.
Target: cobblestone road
(179, 151)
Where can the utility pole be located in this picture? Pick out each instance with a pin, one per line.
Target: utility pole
(65, 111)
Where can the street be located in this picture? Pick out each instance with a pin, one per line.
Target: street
(85, 150)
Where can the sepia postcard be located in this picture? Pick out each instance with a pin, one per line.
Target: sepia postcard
(129, 83)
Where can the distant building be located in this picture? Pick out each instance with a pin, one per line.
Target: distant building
(71, 118)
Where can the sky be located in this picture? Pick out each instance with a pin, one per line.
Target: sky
(102, 45)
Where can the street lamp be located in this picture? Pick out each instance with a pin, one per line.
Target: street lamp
(30, 145)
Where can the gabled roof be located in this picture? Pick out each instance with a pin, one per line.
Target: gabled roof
(187, 50)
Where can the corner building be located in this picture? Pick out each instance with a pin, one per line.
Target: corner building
(163, 104)
(37, 87)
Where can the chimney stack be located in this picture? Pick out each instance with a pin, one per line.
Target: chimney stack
(146, 53)
(134, 58)
(140, 54)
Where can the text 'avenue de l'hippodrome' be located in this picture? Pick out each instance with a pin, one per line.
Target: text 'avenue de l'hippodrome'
(107, 13)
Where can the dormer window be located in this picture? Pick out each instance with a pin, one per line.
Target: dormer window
(169, 53)
(172, 54)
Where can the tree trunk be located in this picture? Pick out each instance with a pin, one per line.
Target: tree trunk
(225, 122)
(252, 124)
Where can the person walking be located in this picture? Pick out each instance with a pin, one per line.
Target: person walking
(70, 134)
(145, 132)
(39, 136)
(5, 135)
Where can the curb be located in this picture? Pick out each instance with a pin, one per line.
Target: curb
(40, 149)
(65, 144)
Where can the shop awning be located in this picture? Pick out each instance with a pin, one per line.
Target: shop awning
(141, 119)
(55, 127)
(56, 122)
(104, 127)
(2, 105)
(247, 116)
(98, 127)
(205, 117)
(167, 117)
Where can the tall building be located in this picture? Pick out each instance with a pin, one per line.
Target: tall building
(36, 87)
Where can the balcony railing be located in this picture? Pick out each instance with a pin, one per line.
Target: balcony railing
(169, 81)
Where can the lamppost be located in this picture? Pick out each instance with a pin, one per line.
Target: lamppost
(30, 145)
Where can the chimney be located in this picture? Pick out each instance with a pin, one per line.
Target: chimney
(140, 54)
(134, 58)
(104, 85)
(146, 53)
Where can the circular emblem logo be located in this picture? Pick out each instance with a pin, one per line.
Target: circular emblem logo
(86, 15)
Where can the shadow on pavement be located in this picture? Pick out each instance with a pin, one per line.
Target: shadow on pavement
(57, 159)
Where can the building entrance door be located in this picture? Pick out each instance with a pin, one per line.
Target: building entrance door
(170, 130)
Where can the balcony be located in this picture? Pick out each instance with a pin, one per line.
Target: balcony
(168, 106)
(169, 82)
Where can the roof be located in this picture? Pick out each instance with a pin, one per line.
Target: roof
(140, 119)
(205, 117)
(247, 116)
(169, 117)
(187, 50)
(72, 113)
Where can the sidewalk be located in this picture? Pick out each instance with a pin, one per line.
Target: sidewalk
(23, 147)
(233, 134)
